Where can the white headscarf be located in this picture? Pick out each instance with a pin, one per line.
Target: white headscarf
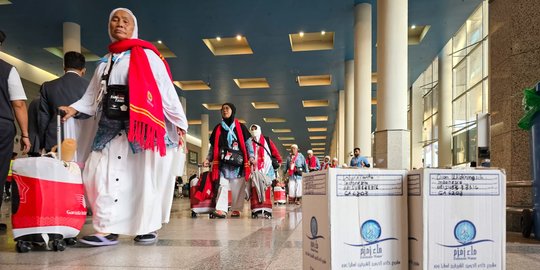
(255, 133)
(135, 27)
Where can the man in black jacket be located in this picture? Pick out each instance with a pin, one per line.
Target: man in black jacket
(61, 92)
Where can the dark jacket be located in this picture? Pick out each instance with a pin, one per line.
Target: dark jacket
(60, 92)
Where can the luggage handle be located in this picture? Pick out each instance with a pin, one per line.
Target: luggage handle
(59, 129)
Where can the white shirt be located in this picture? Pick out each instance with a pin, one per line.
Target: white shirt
(15, 88)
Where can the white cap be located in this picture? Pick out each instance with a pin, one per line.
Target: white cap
(294, 146)
(310, 151)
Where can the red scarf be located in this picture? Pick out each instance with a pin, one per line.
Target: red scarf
(215, 159)
(146, 118)
(260, 152)
(292, 165)
(312, 163)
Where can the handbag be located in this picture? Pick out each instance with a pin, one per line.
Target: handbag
(116, 102)
(232, 157)
(299, 171)
(275, 163)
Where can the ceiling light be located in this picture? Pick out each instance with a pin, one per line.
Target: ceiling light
(265, 105)
(319, 129)
(287, 144)
(315, 103)
(318, 149)
(218, 38)
(228, 45)
(252, 83)
(318, 143)
(314, 80)
(413, 26)
(274, 120)
(192, 85)
(281, 130)
(195, 122)
(212, 106)
(286, 138)
(159, 41)
(301, 34)
(238, 37)
(313, 41)
(323, 32)
(321, 118)
(317, 137)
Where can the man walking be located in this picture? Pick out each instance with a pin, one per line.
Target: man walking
(358, 160)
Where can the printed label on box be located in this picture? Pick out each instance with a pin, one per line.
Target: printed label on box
(464, 184)
(356, 185)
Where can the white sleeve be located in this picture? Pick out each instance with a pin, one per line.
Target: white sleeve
(87, 104)
(15, 88)
(172, 108)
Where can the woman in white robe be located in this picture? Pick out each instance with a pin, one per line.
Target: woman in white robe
(129, 191)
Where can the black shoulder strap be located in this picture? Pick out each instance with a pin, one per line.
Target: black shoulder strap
(263, 146)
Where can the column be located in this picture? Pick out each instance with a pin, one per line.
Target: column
(362, 77)
(445, 106)
(349, 110)
(205, 137)
(392, 137)
(72, 37)
(341, 128)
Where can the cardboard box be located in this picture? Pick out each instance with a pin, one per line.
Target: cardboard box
(457, 219)
(355, 219)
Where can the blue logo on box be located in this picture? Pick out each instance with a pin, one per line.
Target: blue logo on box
(314, 228)
(371, 231)
(465, 233)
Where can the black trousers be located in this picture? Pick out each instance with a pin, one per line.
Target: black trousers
(6, 150)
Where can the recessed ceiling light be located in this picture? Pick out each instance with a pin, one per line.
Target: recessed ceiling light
(318, 143)
(323, 32)
(274, 120)
(218, 38)
(311, 41)
(321, 118)
(416, 33)
(241, 120)
(318, 129)
(212, 106)
(192, 85)
(317, 137)
(163, 49)
(238, 37)
(314, 80)
(265, 105)
(159, 41)
(287, 144)
(228, 45)
(281, 130)
(315, 103)
(252, 83)
(318, 149)
(413, 26)
(301, 33)
(286, 138)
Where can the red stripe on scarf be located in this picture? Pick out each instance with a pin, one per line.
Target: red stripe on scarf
(292, 165)
(216, 158)
(146, 118)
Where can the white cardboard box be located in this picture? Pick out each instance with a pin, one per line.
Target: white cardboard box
(355, 219)
(457, 219)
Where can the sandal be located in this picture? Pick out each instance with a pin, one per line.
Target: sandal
(146, 238)
(235, 214)
(98, 240)
(219, 214)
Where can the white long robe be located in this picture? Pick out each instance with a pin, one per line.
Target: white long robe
(132, 193)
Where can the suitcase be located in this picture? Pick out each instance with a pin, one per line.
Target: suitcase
(206, 205)
(261, 209)
(48, 206)
(280, 196)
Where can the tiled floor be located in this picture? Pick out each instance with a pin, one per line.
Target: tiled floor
(204, 243)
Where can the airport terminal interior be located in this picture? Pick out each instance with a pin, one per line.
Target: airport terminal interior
(416, 85)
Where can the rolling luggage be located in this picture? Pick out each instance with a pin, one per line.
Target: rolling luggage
(201, 194)
(258, 208)
(48, 203)
(280, 196)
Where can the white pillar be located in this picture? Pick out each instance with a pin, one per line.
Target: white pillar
(341, 128)
(362, 77)
(417, 117)
(392, 137)
(205, 136)
(349, 109)
(72, 37)
(445, 106)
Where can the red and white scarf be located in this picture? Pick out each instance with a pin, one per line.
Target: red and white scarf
(292, 165)
(146, 118)
(260, 151)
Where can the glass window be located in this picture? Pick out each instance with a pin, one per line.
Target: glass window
(460, 148)
(435, 149)
(473, 136)
(436, 69)
(474, 67)
(474, 103)
(429, 76)
(427, 132)
(474, 27)
(428, 156)
(435, 93)
(485, 58)
(435, 126)
(458, 45)
(428, 105)
(460, 113)
(460, 79)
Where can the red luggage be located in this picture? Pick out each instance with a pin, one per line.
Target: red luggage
(261, 209)
(201, 195)
(280, 197)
